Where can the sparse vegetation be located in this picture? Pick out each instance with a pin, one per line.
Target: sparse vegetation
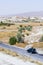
(5, 24)
(21, 29)
(29, 28)
(19, 37)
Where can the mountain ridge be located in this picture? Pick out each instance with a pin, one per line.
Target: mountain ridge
(40, 13)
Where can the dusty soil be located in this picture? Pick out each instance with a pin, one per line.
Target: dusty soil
(22, 45)
(38, 45)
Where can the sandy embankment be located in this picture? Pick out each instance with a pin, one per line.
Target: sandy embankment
(6, 59)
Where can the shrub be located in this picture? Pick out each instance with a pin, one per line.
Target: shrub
(12, 40)
(8, 24)
(20, 25)
(21, 29)
(27, 34)
(19, 37)
(29, 28)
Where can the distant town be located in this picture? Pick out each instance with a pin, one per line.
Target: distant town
(17, 19)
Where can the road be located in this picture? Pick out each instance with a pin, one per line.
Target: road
(22, 52)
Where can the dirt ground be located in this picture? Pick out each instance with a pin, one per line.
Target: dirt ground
(38, 45)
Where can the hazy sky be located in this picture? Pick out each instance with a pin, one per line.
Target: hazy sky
(9, 7)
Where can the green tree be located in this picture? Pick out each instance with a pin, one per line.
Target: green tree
(12, 40)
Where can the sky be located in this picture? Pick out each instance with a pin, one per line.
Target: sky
(11, 7)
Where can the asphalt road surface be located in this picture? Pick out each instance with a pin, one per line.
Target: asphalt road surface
(22, 52)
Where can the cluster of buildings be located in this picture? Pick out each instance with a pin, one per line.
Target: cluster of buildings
(13, 19)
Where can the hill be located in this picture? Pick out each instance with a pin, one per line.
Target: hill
(40, 13)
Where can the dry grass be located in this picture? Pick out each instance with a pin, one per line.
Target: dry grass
(4, 36)
(24, 58)
(12, 27)
(8, 52)
(38, 45)
(31, 23)
(22, 45)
